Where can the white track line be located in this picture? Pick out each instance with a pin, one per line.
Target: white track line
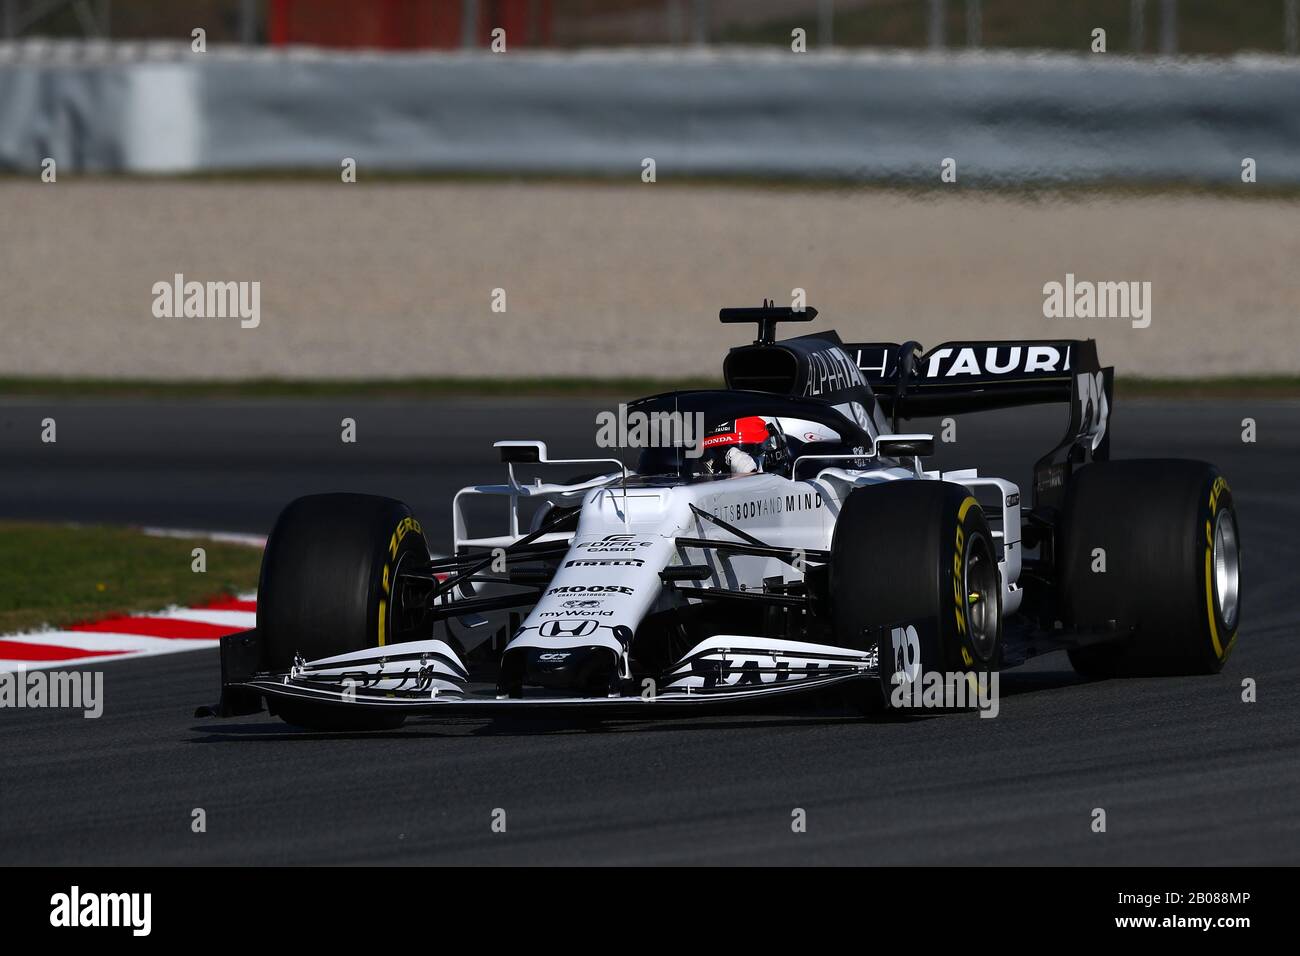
(133, 645)
(243, 620)
(225, 537)
(107, 641)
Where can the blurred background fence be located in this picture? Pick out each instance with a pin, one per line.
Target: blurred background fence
(851, 116)
(886, 91)
(1212, 27)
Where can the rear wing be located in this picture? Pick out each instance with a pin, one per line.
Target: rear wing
(958, 377)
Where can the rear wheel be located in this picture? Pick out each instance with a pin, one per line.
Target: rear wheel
(916, 558)
(1151, 547)
(330, 584)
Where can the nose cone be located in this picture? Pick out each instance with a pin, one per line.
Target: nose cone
(577, 636)
(587, 671)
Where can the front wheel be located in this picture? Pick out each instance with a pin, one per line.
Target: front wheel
(331, 583)
(914, 561)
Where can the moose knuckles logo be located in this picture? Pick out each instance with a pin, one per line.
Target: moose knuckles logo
(590, 589)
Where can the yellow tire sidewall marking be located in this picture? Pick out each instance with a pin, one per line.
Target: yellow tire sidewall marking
(1219, 486)
(404, 527)
(958, 582)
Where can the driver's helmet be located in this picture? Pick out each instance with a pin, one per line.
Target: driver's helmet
(745, 446)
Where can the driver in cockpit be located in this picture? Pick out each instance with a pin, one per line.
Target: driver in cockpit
(745, 446)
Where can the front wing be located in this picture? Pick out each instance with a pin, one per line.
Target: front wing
(428, 678)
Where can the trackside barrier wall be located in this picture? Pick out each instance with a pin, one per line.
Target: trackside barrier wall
(1002, 117)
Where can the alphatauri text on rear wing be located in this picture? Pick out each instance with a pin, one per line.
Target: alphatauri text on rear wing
(968, 376)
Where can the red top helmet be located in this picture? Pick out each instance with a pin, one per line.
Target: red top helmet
(742, 447)
(743, 431)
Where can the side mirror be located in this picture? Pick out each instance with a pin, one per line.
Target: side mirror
(521, 452)
(905, 446)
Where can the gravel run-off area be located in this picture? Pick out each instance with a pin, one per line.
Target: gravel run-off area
(397, 279)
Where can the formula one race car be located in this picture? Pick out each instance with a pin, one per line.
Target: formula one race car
(784, 537)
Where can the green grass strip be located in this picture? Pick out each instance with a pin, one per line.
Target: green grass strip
(56, 574)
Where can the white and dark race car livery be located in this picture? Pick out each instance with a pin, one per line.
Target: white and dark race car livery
(804, 545)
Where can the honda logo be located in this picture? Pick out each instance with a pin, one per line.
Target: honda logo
(568, 628)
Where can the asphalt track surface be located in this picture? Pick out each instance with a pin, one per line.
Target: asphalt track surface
(1186, 772)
